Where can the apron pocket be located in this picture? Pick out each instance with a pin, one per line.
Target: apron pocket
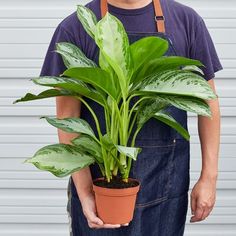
(153, 169)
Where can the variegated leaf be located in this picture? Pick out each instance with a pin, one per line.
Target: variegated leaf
(60, 159)
(72, 85)
(177, 82)
(148, 108)
(87, 19)
(113, 41)
(191, 104)
(107, 67)
(89, 145)
(164, 63)
(170, 121)
(71, 125)
(73, 56)
(193, 68)
(131, 152)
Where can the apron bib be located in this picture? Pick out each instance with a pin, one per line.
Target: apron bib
(162, 168)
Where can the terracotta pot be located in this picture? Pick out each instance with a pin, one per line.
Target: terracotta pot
(115, 206)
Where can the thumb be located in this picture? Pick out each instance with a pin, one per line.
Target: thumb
(193, 204)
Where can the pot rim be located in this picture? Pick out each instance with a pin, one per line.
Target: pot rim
(116, 191)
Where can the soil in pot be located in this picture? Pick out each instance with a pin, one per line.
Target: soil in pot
(115, 201)
(116, 182)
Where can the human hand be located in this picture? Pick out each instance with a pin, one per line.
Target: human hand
(89, 210)
(203, 198)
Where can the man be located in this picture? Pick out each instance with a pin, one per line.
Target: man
(191, 38)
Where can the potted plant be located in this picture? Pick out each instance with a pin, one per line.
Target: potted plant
(138, 71)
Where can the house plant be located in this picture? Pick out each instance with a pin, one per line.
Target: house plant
(125, 71)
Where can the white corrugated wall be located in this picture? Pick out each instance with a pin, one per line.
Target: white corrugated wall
(33, 202)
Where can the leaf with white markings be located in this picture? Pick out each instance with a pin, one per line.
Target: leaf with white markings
(87, 19)
(158, 65)
(131, 152)
(191, 104)
(176, 82)
(60, 159)
(148, 108)
(72, 55)
(112, 40)
(193, 69)
(88, 144)
(71, 125)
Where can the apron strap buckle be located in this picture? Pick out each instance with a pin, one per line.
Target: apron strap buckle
(157, 18)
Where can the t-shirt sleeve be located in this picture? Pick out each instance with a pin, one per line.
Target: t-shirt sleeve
(203, 49)
(53, 64)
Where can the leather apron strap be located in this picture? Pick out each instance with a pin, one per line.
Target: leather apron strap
(159, 18)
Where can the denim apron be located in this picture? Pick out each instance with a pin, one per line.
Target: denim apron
(162, 168)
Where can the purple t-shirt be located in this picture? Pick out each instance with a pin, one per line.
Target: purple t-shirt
(185, 27)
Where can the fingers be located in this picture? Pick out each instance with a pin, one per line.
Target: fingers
(193, 204)
(207, 210)
(89, 210)
(125, 224)
(96, 223)
(197, 216)
(106, 226)
(93, 219)
(199, 210)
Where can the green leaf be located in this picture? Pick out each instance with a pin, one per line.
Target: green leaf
(131, 152)
(113, 41)
(146, 49)
(72, 55)
(87, 144)
(87, 19)
(60, 159)
(158, 65)
(148, 108)
(107, 67)
(71, 125)
(107, 142)
(170, 121)
(191, 104)
(96, 77)
(45, 94)
(176, 82)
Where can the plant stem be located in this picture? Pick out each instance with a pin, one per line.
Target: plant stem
(134, 106)
(132, 124)
(132, 145)
(93, 114)
(119, 164)
(102, 169)
(108, 125)
(132, 110)
(104, 154)
(124, 130)
(115, 171)
(106, 165)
